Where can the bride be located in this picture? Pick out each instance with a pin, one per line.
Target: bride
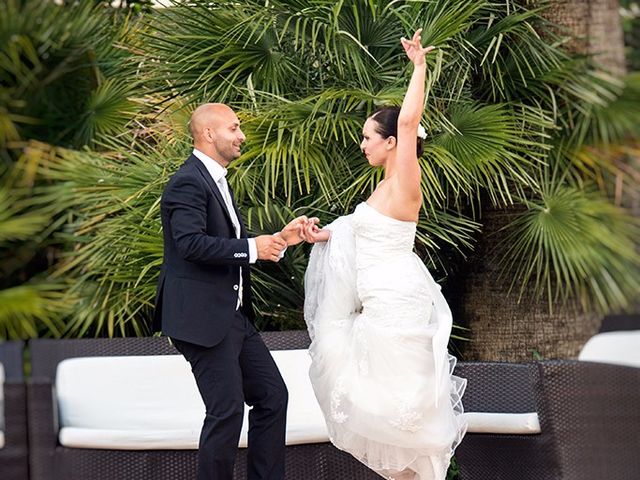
(378, 323)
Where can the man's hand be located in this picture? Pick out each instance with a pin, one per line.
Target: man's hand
(270, 246)
(292, 232)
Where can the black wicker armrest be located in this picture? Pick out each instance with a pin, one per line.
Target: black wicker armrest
(14, 455)
(498, 387)
(592, 412)
(503, 388)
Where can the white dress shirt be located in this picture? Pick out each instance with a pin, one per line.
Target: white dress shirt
(218, 173)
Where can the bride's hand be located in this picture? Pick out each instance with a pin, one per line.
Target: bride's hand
(414, 50)
(311, 233)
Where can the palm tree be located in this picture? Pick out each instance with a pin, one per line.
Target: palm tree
(555, 321)
(66, 78)
(511, 118)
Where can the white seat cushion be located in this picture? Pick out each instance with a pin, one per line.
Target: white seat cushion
(113, 439)
(503, 423)
(152, 402)
(620, 348)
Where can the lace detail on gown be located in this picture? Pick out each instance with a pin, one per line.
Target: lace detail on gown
(379, 327)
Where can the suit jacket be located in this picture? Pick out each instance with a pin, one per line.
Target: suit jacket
(198, 286)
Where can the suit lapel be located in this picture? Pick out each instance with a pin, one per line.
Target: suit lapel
(213, 187)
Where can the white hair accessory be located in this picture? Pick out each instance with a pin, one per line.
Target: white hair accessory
(422, 133)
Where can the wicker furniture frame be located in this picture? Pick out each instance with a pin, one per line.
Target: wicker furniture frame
(14, 456)
(589, 417)
(49, 460)
(622, 322)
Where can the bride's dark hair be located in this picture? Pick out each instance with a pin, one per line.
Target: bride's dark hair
(387, 125)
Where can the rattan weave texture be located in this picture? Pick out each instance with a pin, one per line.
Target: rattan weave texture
(14, 456)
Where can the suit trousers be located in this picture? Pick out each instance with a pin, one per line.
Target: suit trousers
(236, 371)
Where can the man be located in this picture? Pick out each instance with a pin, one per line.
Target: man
(204, 302)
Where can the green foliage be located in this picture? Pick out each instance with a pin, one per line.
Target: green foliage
(14, 226)
(585, 247)
(454, 471)
(630, 14)
(26, 309)
(109, 206)
(511, 118)
(64, 76)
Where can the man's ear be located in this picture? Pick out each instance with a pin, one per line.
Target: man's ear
(390, 143)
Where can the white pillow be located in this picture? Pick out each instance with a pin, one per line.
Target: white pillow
(128, 393)
(620, 348)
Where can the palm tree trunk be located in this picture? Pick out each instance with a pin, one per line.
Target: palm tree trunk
(503, 329)
(595, 29)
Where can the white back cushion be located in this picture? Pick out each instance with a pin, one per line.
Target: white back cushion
(621, 348)
(128, 393)
(148, 402)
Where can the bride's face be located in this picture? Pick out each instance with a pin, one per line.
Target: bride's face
(375, 147)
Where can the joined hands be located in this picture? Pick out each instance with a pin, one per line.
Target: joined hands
(312, 233)
(304, 229)
(301, 229)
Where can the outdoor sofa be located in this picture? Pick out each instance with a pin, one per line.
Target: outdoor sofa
(49, 459)
(13, 413)
(544, 420)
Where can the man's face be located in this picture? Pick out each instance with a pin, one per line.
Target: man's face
(226, 135)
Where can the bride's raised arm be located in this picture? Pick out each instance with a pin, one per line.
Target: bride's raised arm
(407, 167)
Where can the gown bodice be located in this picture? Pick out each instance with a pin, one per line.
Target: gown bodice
(380, 238)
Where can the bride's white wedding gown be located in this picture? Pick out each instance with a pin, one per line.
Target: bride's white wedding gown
(379, 327)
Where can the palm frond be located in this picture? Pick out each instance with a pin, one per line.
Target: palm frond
(54, 57)
(17, 226)
(490, 144)
(573, 243)
(614, 121)
(28, 311)
(106, 113)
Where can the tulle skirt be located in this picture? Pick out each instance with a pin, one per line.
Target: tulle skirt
(376, 389)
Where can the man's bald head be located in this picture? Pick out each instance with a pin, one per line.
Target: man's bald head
(207, 115)
(215, 130)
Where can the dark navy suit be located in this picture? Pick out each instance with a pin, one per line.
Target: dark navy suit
(196, 305)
